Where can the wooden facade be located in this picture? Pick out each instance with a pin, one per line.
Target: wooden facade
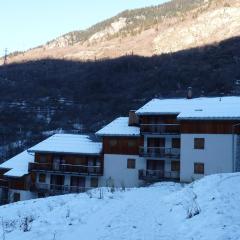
(159, 124)
(21, 183)
(188, 126)
(209, 127)
(122, 145)
(17, 183)
(66, 158)
(68, 163)
(158, 119)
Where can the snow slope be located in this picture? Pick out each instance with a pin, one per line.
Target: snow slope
(206, 209)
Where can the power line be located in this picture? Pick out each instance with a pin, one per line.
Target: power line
(5, 57)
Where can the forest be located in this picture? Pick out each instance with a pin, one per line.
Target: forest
(46, 96)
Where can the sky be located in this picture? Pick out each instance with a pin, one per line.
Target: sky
(28, 23)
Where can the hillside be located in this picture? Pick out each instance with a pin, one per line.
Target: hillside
(205, 209)
(42, 97)
(170, 27)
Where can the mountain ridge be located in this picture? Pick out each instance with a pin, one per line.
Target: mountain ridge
(145, 32)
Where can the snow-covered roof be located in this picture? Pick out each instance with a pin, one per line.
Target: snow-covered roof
(68, 143)
(196, 108)
(18, 165)
(119, 127)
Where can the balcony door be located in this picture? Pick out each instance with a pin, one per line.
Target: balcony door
(57, 161)
(77, 184)
(155, 146)
(155, 168)
(57, 182)
(156, 142)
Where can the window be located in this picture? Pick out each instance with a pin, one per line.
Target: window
(131, 143)
(176, 143)
(131, 163)
(175, 166)
(94, 182)
(199, 143)
(113, 142)
(16, 197)
(42, 177)
(199, 168)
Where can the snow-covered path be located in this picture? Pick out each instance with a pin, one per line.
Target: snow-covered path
(206, 209)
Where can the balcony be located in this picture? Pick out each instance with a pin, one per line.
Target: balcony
(54, 189)
(161, 129)
(14, 184)
(160, 152)
(3, 183)
(67, 168)
(157, 175)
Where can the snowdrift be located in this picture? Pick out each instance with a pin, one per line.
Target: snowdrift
(205, 209)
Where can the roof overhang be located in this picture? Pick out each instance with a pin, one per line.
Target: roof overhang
(156, 113)
(118, 135)
(63, 152)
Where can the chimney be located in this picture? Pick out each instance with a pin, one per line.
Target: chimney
(133, 119)
(189, 93)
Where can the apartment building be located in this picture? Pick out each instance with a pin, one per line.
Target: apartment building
(15, 179)
(166, 139)
(192, 137)
(63, 163)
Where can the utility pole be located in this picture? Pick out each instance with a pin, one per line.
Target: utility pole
(5, 57)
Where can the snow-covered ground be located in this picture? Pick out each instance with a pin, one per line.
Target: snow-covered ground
(206, 209)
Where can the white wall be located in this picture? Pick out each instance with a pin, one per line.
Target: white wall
(24, 195)
(216, 156)
(115, 167)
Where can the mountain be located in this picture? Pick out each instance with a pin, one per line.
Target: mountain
(205, 209)
(170, 27)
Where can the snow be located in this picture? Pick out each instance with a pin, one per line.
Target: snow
(18, 164)
(119, 127)
(232, 112)
(68, 143)
(200, 108)
(206, 209)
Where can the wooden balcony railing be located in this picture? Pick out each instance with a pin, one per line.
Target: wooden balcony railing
(157, 175)
(39, 166)
(67, 168)
(160, 152)
(160, 128)
(57, 189)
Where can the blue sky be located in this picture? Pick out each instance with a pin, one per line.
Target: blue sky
(28, 23)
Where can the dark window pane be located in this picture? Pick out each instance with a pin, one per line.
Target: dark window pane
(199, 143)
(131, 163)
(199, 168)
